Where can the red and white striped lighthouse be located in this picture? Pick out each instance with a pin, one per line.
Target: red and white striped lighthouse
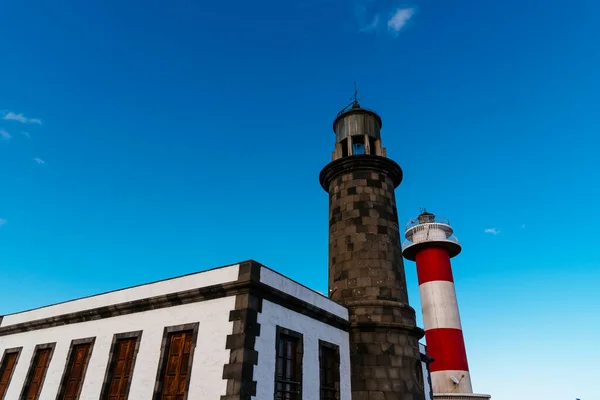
(431, 243)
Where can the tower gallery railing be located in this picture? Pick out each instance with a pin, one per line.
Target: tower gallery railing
(430, 232)
(435, 219)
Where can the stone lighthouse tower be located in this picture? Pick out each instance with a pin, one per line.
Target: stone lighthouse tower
(430, 241)
(366, 271)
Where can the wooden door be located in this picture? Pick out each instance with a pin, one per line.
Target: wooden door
(6, 371)
(40, 366)
(75, 372)
(121, 369)
(177, 366)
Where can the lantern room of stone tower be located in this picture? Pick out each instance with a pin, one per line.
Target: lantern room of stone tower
(357, 131)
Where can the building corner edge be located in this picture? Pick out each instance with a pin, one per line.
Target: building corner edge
(239, 372)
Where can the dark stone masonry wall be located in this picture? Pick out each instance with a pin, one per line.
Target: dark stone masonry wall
(366, 274)
(364, 241)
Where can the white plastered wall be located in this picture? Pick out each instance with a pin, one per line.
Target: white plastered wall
(312, 330)
(209, 357)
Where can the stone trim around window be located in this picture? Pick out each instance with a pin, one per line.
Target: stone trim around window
(299, 354)
(6, 353)
(63, 380)
(162, 363)
(137, 335)
(30, 370)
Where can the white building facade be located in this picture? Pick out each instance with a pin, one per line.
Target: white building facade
(237, 332)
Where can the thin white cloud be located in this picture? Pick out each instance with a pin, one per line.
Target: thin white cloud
(11, 116)
(372, 25)
(400, 18)
(493, 231)
(4, 135)
(26, 134)
(39, 161)
(2, 221)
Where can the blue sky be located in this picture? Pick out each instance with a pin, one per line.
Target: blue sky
(146, 139)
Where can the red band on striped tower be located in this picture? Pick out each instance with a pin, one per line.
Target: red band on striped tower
(447, 347)
(433, 264)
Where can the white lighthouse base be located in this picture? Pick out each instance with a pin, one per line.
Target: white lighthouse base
(460, 396)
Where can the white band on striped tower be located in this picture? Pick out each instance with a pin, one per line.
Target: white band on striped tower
(443, 383)
(440, 308)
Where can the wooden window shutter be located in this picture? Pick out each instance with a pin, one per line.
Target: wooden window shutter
(121, 368)
(6, 369)
(37, 373)
(176, 371)
(74, 374)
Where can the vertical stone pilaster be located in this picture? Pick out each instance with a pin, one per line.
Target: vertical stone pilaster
(239, 372)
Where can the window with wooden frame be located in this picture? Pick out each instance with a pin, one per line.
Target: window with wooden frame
(288, 364)
(42, 354)
(329, 371)
(175, 365)
(7, 367)
(121, 362)
(74, 374)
